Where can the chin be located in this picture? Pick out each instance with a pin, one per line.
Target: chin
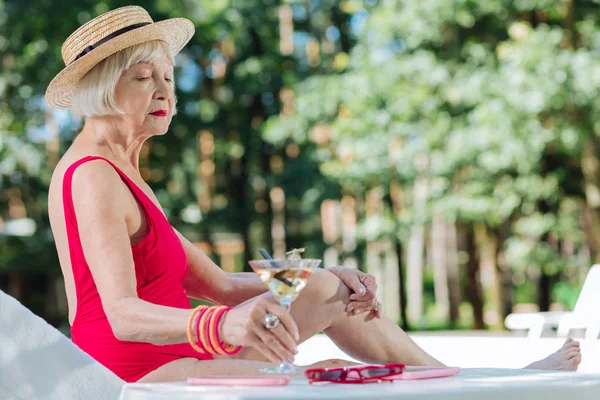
(156, 130)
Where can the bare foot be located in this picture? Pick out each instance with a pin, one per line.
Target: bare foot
(567, 358)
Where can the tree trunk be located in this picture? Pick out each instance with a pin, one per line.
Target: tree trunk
(487, 243)
(401, 284)
(547, 281)
(15, 287)
(570, 23)
(240, 185)
(390, 281)
(416, 247)
(267, 217)
(394, 202)
(439, 262)
(590, 166)
(473, 283)
(504, 272)
(544, 288)
(414, 273)
(453, 273)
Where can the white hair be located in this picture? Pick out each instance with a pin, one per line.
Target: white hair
(95, 92)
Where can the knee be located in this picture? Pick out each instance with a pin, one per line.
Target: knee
(325, 287)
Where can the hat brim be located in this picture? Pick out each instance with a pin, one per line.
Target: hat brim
(177, 32)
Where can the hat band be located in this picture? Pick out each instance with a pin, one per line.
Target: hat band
(109, 37)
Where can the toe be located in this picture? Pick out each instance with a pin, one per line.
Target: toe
(569, 343)
(572, 353)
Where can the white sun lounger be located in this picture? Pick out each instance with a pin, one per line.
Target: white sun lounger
(39, 362)
(586, 314)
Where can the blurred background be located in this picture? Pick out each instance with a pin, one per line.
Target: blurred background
(450, 148)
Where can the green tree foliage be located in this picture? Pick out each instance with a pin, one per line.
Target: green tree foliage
(491, 104)
(212, 172)
(494, 102)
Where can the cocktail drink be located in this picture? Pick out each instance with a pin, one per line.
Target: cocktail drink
(285, 280)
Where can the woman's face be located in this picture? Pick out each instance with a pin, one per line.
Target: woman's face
(145, 92)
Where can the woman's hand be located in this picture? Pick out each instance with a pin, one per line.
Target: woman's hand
(364, 287)
(244, 325)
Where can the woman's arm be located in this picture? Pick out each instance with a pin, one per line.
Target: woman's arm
(101, 203)
(206, 281)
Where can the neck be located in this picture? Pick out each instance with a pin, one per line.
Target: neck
(113, 139)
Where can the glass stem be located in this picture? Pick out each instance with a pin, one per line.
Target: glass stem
(286, 306)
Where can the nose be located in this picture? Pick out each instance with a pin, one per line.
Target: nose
(164, 91)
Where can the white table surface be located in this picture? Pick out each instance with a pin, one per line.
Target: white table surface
(470, 383)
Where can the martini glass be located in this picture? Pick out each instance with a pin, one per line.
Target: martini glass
(285, 280)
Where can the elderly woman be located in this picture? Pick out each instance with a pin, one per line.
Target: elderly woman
(128, 273)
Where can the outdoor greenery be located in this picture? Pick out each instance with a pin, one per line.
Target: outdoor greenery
(455, 143)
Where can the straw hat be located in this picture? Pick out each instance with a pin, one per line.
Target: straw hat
(106, 35)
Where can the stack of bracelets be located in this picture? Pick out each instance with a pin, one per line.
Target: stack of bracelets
(206, 331)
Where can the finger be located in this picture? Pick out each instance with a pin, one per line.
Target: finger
(285, 319)
(370, 283)
(272, 343)
(356, 307)
(352, 280)
(285, 338)
(362, 297)
(377, 313)
(259, 345)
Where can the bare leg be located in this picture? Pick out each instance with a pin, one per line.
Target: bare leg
(321, 306)
(567, 358)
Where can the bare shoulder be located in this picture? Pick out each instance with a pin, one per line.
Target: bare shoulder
(95, 185)
(56, 186)
(95, 176)
(98, 185)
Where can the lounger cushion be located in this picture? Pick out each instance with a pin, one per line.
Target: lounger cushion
(38, 362)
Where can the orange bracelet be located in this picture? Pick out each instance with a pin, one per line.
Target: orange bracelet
(190, 329)
(224, 348)
(204, 338)
(212, 337)
(200, 316)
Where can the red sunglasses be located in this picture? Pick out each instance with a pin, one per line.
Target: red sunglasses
(359, 374)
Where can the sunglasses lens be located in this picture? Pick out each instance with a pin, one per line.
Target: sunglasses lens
(331, 375)
(375, 372)
(327, 375)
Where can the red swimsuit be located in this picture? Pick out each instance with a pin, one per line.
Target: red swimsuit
(160, 267)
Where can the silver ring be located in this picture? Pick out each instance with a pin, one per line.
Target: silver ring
(377, 306)
(271, 321)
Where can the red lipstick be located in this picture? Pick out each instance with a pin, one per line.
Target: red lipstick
(159, 113)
